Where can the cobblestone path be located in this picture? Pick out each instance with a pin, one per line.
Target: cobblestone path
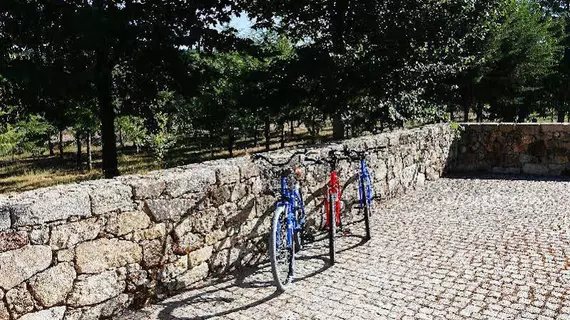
(456, 249)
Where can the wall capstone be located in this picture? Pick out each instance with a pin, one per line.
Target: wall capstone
(49, 204)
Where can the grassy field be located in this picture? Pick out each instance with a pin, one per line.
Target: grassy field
(26, 173)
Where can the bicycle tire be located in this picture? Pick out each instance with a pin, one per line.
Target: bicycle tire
(332, 229)
(371, 195)
(282, 267)
(366, 209)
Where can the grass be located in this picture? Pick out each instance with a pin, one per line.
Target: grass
(25, 172)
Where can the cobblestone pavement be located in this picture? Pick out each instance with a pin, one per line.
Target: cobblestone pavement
(456, 249)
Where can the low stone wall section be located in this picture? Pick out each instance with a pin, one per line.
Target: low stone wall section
(89, 250)
(536, 149)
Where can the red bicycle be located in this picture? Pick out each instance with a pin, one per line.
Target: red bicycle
(332, 201)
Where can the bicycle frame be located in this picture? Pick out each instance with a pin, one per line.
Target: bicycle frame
(333, 188)
(291, 200)
(364, 176)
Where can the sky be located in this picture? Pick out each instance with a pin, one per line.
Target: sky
(242, 24)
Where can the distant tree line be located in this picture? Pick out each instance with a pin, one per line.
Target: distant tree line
(161, 75)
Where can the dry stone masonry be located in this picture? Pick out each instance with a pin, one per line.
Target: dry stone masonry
(529, 148)
(90, 250)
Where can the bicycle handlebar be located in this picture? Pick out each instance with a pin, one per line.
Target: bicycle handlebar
(361, 154)
(333, 158)
(276, 164)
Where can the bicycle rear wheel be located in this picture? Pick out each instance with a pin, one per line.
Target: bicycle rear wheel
(332, 227)
(281, 249)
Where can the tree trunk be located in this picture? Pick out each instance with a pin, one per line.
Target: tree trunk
(121, 139)
(267, 133)
(466, 108)
(561, 113)
(282, 129)
(107, 114)
(211, 146)
(452, 112)
(256, 137)
(292, 127)
(51, 147)
(61, 144)
(78, 157)
(231, 141)
(89, 155)
(338, 126)
(479, 112)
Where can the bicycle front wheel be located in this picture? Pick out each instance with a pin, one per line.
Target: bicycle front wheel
(332, 227)
(281, 249)
(366, 207)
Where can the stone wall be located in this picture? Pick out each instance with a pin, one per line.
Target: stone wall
(539, 149)
(89, 250)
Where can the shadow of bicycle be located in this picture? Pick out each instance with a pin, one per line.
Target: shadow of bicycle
(225, 296)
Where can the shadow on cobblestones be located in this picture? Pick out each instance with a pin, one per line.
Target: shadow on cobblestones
(215, 293)
(504, 176)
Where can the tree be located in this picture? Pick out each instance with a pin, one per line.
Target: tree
(512, 63)
(78, 50)
(10, 138)
(134, 130)
(162, 139)
(388, 51)
(558, 83)
(221, 106)
(85, 124)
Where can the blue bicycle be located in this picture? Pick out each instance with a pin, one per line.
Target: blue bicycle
(287, 227)
(365, 186)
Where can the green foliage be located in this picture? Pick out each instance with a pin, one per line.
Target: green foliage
(133, 128)
(369, 64)
(522, 53)
(30, 135)
(511, 64)
(85, 119)
(36, 131)
(10, 139)
(162, 139)
(371, 61)
(64, 53)
(457, 129)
